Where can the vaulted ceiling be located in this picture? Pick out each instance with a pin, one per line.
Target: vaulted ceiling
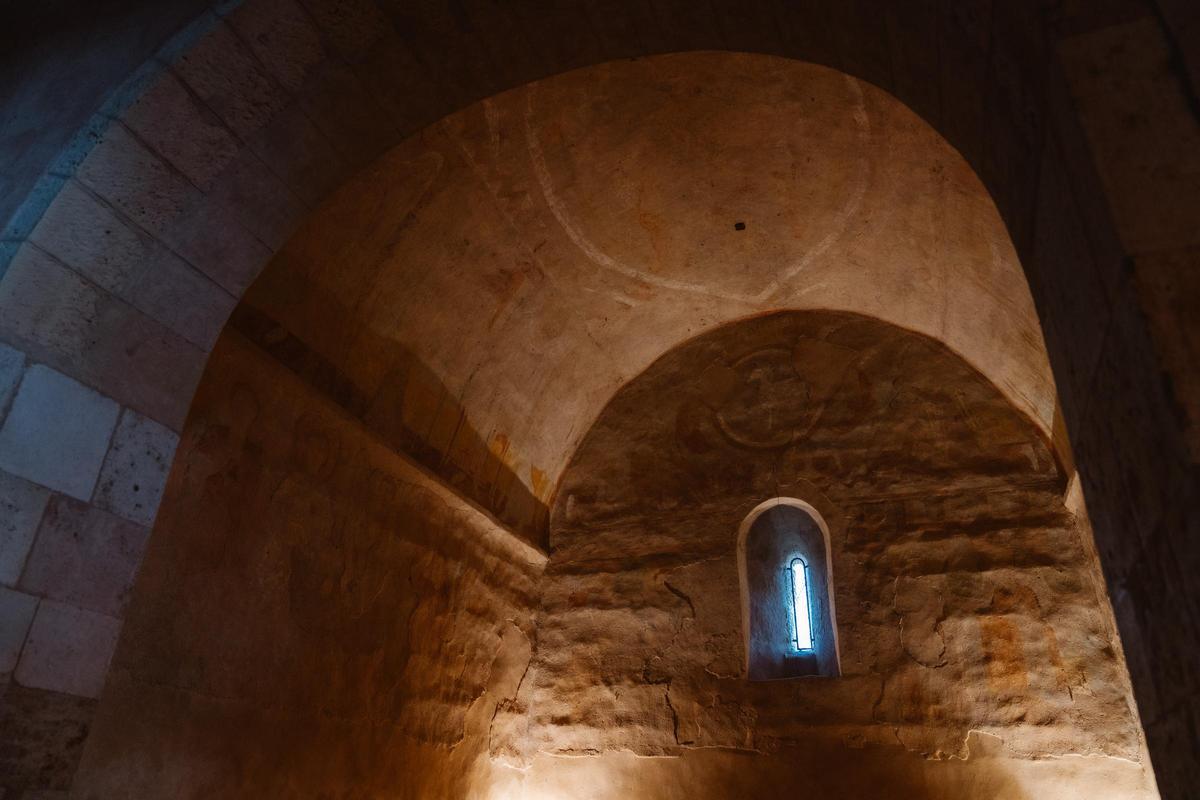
(487, 285)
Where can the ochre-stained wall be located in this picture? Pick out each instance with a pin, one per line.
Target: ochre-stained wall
(478, 293)
(316, 617)
(970, 626)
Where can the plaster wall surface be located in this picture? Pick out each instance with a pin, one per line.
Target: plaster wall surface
(485, 287)
(316, 617)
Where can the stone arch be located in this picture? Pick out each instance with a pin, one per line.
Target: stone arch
(131, 322)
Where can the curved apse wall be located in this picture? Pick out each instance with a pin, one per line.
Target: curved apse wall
(975, 656)
(480, 291)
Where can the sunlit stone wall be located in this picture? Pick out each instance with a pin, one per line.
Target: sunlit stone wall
(969, 623)
(316, 616)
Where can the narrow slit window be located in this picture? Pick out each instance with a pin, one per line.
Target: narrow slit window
(783, 557)
(802, 633)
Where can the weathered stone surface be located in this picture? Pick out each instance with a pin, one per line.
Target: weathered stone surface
(965, 600)
(57, 432)
(80, 230)
(64, 321)
(179, 128)
(298, 152)
(41, 737)
(67, 650)
(84, 557)
(232, 259)
(283, 37)
(181, 298)
(138, 182)
(94, 240)
(135, 468)
(260, 202)
(21, 507)
(352, 118)
(46, 304)
(223, 73)
(16, 613)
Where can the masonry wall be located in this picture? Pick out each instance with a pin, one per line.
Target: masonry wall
(315, 616)
(970, 626)
(1079, 117)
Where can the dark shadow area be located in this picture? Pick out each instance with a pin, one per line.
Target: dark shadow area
(60, 62)
(411, 411)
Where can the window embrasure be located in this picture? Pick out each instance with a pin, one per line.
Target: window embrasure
(787, 599)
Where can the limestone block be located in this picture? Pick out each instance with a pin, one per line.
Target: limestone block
(21, 507)
(213, 239)
(12, 362)
(262, 203)
(352, 26)
(84, 233)
(122, 171)
(57, 432)
(135, 469)
(41, 738)
(44, 303)
(224, 74)
(97, 338)
(180, 129)
(68, 650)
(142, 363)
(85, 557)
(16, 612)
(299, 153)
(182, 298)
(283, 38)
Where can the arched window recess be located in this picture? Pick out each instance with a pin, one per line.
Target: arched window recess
(788, 616)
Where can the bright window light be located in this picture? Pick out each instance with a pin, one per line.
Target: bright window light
(802, 635)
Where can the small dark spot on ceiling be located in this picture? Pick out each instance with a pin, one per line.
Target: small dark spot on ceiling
(739, 226)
